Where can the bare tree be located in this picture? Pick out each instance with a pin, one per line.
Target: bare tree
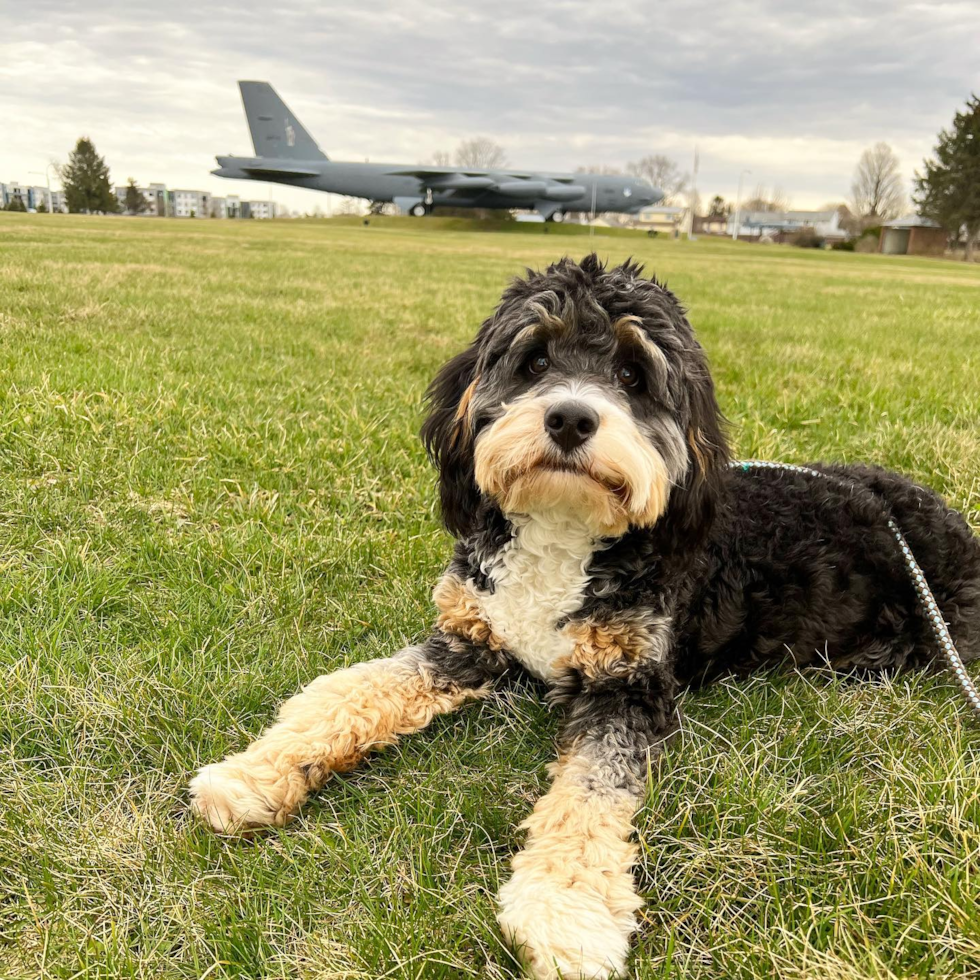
(349, 205)
(764, 199)
(598, 168)
(662, 172)
(482, 152)
(441, 158)
(877, 188)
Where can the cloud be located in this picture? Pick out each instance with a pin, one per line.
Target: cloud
(793, 92)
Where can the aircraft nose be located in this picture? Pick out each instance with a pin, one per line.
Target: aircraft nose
(571, 424)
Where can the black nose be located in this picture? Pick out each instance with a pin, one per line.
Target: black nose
(571, 424)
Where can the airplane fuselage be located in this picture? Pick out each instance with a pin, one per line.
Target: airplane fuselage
(376, 182)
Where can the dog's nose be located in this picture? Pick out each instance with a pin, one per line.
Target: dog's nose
(571, 424)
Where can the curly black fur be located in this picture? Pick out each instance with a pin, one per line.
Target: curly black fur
(751, 568)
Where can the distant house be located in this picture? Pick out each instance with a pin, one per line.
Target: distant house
(912, 235)
(659, 217)
(711, 224)
(780, 225)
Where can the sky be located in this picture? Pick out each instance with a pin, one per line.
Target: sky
(792, 92)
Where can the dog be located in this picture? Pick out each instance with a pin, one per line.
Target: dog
(605, 544)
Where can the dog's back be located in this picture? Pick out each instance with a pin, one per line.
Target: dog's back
(804, 568)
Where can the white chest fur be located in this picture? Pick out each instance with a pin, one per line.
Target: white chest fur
(539, 578)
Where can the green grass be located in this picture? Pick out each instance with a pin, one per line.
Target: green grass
(211, 490)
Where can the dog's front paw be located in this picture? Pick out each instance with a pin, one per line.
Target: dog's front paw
(234, 797)
(564, 929)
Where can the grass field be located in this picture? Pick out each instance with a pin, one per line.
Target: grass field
(211, 490)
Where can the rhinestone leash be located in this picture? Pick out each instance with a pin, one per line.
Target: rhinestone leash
(928, 601)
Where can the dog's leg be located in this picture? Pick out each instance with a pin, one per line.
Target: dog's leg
(332, 724)
(569, 907)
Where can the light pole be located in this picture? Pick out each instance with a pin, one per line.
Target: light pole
(47, 176)
(694, 197)
(738, 207)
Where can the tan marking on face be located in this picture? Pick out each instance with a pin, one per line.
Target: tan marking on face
(630, 328)
(459, 613)
(623, 480)
(613, 646)
(550, 321)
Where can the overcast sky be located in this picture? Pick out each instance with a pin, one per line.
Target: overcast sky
(791, 91)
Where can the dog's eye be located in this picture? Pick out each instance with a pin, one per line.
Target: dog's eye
(538, 363)
(628, 375)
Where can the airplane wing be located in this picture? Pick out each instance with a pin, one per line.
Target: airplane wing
(275, 170)
(437, 173)
(514, 184)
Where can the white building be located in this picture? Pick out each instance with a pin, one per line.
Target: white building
(15, 190)
(160, 202)
(190, 204)
(261, 209)
(33, 198)
(779, 224)
(155, 196)
(659, 218)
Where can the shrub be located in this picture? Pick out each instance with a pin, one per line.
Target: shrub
(806, 238)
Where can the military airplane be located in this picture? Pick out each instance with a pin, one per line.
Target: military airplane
(285, 153)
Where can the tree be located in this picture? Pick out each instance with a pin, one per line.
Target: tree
(718, 208)
(86, 180)
(441, 158)
(598, 168)
(662, 172)
(876, 191)
(481, 152)
(350, 205)
(765, 200)
(134, 200)
(949, 188)
(16, 203)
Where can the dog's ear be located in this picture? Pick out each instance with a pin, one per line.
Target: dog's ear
(692, 506)
(447, 434)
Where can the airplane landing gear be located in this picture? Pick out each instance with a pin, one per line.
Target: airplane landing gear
(418, 210)
(558, 217)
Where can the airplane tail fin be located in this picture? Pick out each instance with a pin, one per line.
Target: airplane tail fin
(276, 132)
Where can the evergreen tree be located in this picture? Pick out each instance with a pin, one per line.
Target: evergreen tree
(16, 204)
(86, 180)
(135, 202)
(949, 188)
